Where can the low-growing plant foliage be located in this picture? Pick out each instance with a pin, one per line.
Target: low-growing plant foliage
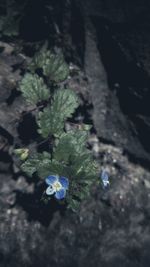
(11, 16)
(68, 169)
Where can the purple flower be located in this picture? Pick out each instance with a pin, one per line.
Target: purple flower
(105, 178)
(57, 186)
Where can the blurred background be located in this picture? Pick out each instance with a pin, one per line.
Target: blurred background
(107, 44)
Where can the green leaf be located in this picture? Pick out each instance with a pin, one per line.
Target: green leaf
(50, 167)
(73, 204)
(72, 145)
(29, 166)
(36, 162)
(53, 65)
(11, 27)
(51, 120)
(43, 165)
(33, 88)
(71, 150)
(10, 23)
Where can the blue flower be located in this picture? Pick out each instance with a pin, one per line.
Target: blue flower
(57, 186)
(105, 178)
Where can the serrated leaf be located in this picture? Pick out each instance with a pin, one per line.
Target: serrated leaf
(73, 204)
(83, 192)
(72, 145)
(34, 89)
(71, 150)
(29, 166)
(35, 163)
(49, 123)
(9, 24)
(53, 65)
(43, 165)
(51, 120)
(50, 167)
(11, 27)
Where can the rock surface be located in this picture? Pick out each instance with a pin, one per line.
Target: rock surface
(112, 227)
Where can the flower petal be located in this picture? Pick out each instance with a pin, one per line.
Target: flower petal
(64, 182)
(51, 179)
(50, 190)
(104, 176)
(60, 194)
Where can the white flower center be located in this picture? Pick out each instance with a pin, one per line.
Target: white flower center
(57, 186)
(106, 183)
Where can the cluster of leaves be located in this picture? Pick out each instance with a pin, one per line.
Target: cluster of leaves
(53, 65)
(69, 156)
(11, 16)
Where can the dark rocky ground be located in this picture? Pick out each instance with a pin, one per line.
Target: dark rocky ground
(110, 42)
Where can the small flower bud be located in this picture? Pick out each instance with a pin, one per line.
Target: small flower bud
(22, 153)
